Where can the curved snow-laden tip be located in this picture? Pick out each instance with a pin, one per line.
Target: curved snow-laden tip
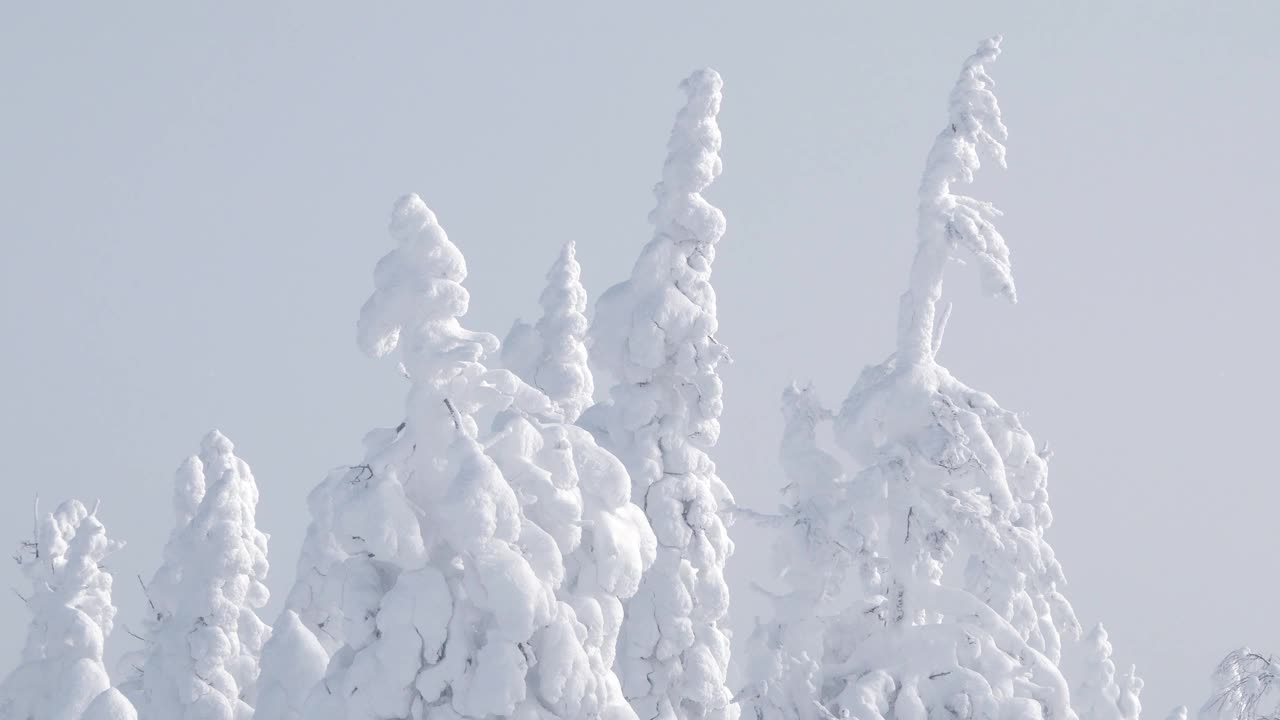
(215, 442)
(410, 215)
(703, 85)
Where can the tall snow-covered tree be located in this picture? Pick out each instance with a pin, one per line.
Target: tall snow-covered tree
(957, 482)
(552, 354)
(201, 661)
(655, 333)
(1244, 688)
(61, 670)
(464, 597)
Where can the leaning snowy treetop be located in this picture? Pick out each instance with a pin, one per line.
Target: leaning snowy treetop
(949, 221)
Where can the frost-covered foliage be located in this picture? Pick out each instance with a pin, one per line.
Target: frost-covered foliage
(1244, 688)
(61, 671)
(1099, 695)
(201, 658)
(480, 578)
(955, 606)
(655, 334)
(812, 552)
(552, 355)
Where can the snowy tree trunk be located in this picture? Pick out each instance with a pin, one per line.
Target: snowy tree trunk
(655, 333)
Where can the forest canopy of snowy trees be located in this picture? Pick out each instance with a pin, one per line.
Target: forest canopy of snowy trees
(543, 533)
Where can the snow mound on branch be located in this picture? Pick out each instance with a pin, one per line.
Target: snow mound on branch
(111, 704)
(293, 661)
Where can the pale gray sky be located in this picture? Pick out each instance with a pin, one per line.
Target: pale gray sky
(192, 200)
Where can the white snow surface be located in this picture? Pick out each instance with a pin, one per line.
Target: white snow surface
(201, 657)
(552, 355)
(654, 333)
(61, 671)
(111, 704)
(483, 572)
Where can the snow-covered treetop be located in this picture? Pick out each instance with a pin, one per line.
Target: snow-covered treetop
(435, 348)
(949, 222)
(667, 309)
(552, 355)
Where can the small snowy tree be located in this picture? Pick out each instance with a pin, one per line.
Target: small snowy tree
(1244, 688)
(202, 657)
(61, 670)
(655, 333)
(552, 355)
(1097, 697)
(111, 704)
(1178, 713)
(458, 596)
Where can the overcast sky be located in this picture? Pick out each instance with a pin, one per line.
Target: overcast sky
(192, 200)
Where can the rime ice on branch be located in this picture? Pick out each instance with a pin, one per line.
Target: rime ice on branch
(465, 594)
(552, 355)
(61, 671)
(655, 334)
(202, 654)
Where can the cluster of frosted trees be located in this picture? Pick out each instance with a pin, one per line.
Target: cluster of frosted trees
(521, 545)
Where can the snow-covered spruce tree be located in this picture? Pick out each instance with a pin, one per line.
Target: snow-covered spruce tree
(655, 334)
(1097, 696)
(552, 355)
(202, 657)
(1244, 688)
(457, 603)
(961, 484)
(61, 670)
